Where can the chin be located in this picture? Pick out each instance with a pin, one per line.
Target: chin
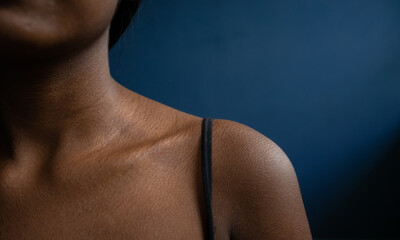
(23, 37)
(32, 30)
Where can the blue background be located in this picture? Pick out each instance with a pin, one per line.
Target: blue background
(320, 78)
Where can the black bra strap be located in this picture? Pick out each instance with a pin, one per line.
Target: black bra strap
(206, 168)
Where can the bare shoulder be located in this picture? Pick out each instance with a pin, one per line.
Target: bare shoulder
(259, 184)
(246, 153)
(247, 142)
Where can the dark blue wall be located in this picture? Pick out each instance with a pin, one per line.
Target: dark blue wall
(320, 78)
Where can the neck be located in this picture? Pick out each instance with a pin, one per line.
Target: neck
(59, 104)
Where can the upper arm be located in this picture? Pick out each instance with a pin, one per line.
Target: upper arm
(263, 188)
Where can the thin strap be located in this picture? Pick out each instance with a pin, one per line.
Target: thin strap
(206, 171)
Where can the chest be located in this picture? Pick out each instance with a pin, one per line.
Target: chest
(92, 222)
(133, 205)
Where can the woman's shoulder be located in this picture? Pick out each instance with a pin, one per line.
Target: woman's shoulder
(240, 144)
(258, 182)
(246, 155)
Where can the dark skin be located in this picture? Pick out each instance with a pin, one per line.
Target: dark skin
(82, 157)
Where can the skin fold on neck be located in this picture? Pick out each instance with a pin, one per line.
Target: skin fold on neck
(69, 103)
